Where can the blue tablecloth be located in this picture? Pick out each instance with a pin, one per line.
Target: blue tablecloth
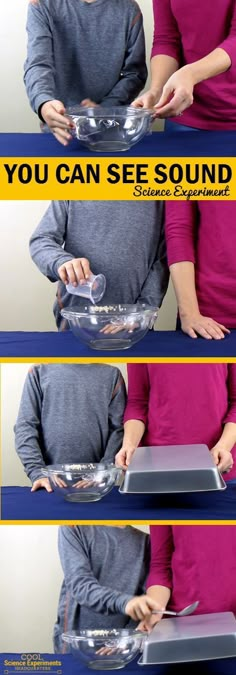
(191, 144)
(19, 503)
(159, 344)
(72, 666)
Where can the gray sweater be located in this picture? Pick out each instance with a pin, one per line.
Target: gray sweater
(122, 239)
(78, 50)
(104, 567)
(69, 413)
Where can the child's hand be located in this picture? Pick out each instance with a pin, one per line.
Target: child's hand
(222, 458)
(75, 271)
(88, 103)
(41, 483)
(140, 607)
(123, 457)
(53, 113)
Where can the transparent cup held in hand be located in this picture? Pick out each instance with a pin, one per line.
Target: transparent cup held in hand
(92, 288)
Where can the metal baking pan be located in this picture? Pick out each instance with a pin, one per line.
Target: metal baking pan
(191, 638)
(172, 469)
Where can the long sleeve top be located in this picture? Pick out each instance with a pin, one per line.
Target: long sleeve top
(79, 50)
(123, 240)
(104, 567)
(182, 403)
(190, 32)
(204, 233)
(69, 413)
(195, 562)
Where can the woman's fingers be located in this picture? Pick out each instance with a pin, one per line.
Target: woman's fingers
(175, 107)
(120, 459)
(147, 100)
(177, 94)
(203, 326)
(223, 459)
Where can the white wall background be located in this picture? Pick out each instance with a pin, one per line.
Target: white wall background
(30, 580)
(27, 296)
(12, 381)
(15, 114)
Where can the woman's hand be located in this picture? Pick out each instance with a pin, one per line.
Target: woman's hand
(177, 94)
(149, 622)
(141, 606)
(53, 113)
(222, 458)
(123, 457)
(147, 100)
(195, 324)
(41, 483)
(75, 271)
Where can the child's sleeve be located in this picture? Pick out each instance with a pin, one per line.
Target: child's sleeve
(162, 548)
(156, 284)
(47, 241)
(115, 418)
(138, 393)
(28, 425)
(231, 412)
(134, 72)
(39, 76)
(181, 221)
(80, 581)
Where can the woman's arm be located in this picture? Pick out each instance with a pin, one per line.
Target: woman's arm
(162, 67)
(166, 53)
(180, 86)
(222, 450)
(133, 433)
(192, 321)
(181, 222)
(136, 412)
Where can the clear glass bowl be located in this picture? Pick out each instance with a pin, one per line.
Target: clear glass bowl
(110, 129)
(112, 326)
(105, 649)
(82, 482)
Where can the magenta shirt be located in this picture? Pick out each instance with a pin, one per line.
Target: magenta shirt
(204, 233)
(182, 403)
(197, 562)
(188, 30)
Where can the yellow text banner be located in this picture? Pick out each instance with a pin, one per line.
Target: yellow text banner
(126, 178)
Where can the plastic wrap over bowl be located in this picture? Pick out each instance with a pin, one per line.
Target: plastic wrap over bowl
(110, 327)
(82, 482)
(110, 129)
(104, 649)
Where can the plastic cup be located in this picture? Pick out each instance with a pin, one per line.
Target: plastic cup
(92, 288)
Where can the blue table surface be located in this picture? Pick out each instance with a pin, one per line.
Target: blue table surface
(19, 503)
(156, 344)
(158, 144)
(72, 666)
